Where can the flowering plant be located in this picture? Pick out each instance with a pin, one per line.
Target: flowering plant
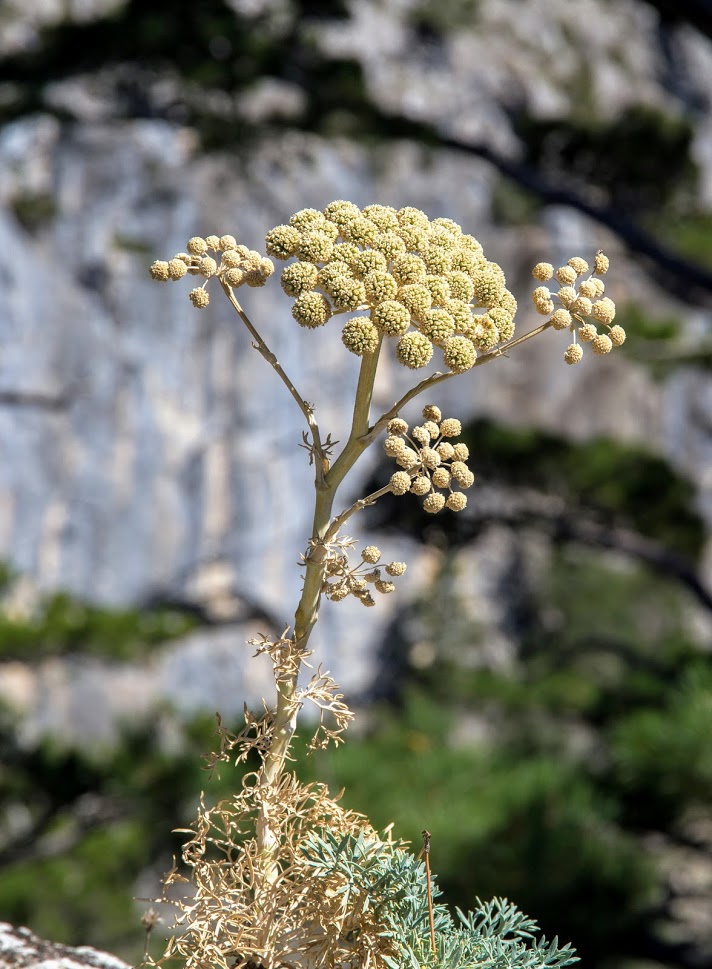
(282, 874)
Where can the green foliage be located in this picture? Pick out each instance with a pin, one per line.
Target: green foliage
(642, 159)
(496, 934)
(34, 210)
(62, 624)
(689, 233)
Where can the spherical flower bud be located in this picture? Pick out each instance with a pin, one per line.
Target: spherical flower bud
(489, 283)
(392, 318)
(437, 325)
(432, 428)
(582, 306)
(617, 335)
(567, 295)
(372, 576)
(587, 332)
(434, 503)
(561, 319)
(394, 444)
(282, 241)
(199, 298)
(400, 482)
(573, 353)
(315, 246)
(438, 288)
(469, 243)
(379, 286)
(486, 334)
(540, 294)
(415, 238)
(359, 230)
(437, 260)
(340, 211)
(160, 270)
(507, 302)
(604, 310)
(207, 267)
(306, 219)
(600, 263)
(454, 228)
(232, 258)
(579, 265)
(382, 216)
(420, 485)
(459, 471)
(461, 314)
(177, 268)
(429, 458)
(432, 413)
(396, 568)
(566, 275)
(332, 273)
(348, 293)
(409, 215)
(414, 350)
(366, 599)
(459, 354)
(234, 277)
(601, 344)
(197, 246)
(311, 310)
(397, 426)
(213, 242)
(184, 257)
(446, 451)
(588, 289)
(384, 587)
(451, 427)
(371, 554)
(441, 477)
(416, 298)
(543, 271)
(360, 336)
(468, 262)
(461, 452)
(456, 501)
(370, 261)
(461, 285)
(408, 458)
(390, 244)
(408, 268)
(345, 252)
(421, 435)
(227, 242)
(504, 322)
(336, 594)
(298, 278)
(600, 287)
(266, 268)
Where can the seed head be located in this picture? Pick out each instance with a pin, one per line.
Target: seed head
(561, 319)
(438, 288)
(446, 451)
(604, 310)
(421, 435)
(579, 265)
(159, 270)
(437, 325)
(451, 427)
(486, 334)
(232, 258)
(573, 353)
(408, 458)
(197, 246)
(369, 261)
(587, 332)
(177, 268)
(228, 242)
(282, 241)
(567, 296)
(417, 299)
(315, 246)
(390, 244)
(383, 216)
(379, 286)
(392, 318)
(199, 298)
(461, 452)
(600, 263)
(408, 268)
(400, 482)
(504, 322)
(213, 242)
(588, 289)
(420, 485)
(298, 278)
(429, 458)
(601, 344)
(617, 335)
(207, 267)
(434, 503)
(234, 277)
(396, 568)
(440, 477)
(384, 587)
(543, 271)
(456, 501)
(398, 426)
(347, 293)
(394, 444)
(306, 219)
(582, 306)
(566, 275)
(371, 554)
(432, 413)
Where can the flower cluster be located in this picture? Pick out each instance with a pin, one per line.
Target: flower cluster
(423, 282)
(432, 465)
(581, 306)
(237, 265)
(341, 581)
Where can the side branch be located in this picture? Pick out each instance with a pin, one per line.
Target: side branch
(357, 506)
(438, 378)
(321, 460)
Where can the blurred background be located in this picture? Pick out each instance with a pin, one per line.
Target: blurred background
(538, 692)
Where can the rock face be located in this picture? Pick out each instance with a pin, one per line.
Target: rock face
(22, 949)
(146, 449)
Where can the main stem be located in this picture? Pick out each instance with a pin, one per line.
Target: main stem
(285, 718)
